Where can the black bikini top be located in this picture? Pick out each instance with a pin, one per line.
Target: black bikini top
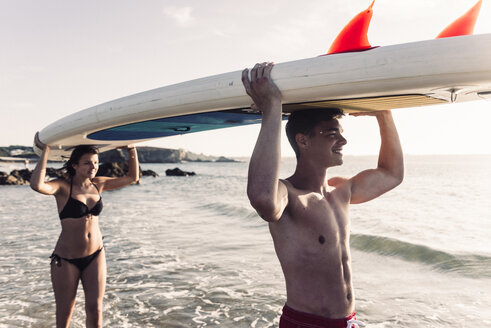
(76, 209)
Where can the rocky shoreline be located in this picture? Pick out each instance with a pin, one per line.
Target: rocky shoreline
(114, 162)
(145, 155)
(160, 155)
(22, 177)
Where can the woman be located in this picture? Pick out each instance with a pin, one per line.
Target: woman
(79, 253)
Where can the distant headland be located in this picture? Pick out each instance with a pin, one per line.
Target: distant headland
(145, 155)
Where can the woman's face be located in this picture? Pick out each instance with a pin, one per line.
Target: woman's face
(87, 166)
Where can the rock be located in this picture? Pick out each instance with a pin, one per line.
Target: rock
(112, 169)
(55, 173)
(178, 172)
(223, 159)
(9, 180)
(148, 173)
(120, 169)
(12, 180)
(22, 177)
(113, 156)
(16, 177)
(24, 174)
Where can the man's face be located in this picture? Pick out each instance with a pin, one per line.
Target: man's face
(326, 143)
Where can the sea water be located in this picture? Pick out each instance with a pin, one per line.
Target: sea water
(191, 252)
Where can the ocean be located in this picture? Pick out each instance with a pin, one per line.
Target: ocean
(191, 251)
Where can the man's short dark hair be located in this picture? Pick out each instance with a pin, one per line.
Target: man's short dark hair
(304, 121)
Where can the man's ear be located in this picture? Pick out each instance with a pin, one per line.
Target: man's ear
(302, 141)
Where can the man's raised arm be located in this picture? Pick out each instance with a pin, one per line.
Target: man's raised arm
(267, 194)
(389, 173)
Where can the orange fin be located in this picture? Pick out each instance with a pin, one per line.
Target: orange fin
(353, 36)
(464, 25)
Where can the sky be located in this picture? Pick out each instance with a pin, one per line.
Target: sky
(62, 56)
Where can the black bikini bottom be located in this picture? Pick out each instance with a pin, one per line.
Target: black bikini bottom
(81, 263)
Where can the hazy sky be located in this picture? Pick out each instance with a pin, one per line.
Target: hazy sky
(59, 57)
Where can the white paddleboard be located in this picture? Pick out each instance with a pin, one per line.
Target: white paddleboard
(440, 71)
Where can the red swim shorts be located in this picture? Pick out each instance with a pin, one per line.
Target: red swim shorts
(295, 319)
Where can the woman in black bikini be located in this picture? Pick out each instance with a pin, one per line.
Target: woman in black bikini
(79, 252)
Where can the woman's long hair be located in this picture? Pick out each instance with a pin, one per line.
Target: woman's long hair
(77, 153)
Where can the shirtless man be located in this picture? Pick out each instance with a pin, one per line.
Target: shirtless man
(307, 213)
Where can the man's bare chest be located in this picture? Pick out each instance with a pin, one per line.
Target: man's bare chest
(317, 212)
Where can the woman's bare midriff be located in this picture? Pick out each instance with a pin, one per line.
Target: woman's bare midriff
(79, 237)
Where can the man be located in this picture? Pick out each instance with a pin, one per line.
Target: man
(307, 214)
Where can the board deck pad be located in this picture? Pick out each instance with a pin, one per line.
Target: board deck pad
(368, 104)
